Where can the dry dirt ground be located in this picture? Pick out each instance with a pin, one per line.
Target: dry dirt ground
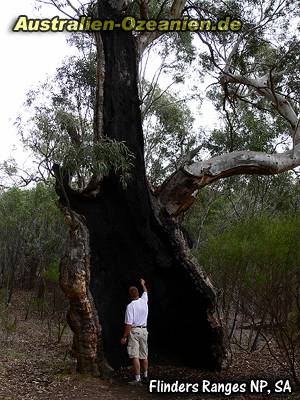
(34, 366)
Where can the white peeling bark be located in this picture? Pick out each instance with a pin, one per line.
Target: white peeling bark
(178, 192)
(274, 163)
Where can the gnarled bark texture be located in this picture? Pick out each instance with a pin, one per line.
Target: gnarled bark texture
(132, 236)
(75, 280)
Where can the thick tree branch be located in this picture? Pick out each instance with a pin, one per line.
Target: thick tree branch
(187, 158)
(177, 193)
(177, 7)
(119, 4)
(145, 38)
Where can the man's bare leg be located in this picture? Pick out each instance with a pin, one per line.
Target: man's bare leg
(136, 368)
(145, 367)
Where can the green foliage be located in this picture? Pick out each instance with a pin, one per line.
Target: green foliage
(99, 158)
(254, 261)
(249, 129)
(261, 249)
(31, 233)
(52, 272)
(60, 129)
(268, 47)
(169, 135)
(226, 203)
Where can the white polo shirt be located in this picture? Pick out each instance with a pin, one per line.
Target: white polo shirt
(137, 311)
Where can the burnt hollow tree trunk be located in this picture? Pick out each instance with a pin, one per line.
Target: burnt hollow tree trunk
(121, 235)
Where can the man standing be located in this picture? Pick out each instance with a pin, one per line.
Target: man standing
(135, 332)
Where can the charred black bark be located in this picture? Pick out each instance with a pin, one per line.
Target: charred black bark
(131, 237)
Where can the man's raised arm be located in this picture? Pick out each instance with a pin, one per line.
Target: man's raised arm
(143, 285)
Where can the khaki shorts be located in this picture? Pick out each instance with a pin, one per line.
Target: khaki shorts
(137, 343)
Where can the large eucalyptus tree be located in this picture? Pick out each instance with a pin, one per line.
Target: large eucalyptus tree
(119, 233)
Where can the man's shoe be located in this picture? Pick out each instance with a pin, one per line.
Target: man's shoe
(145, 380)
